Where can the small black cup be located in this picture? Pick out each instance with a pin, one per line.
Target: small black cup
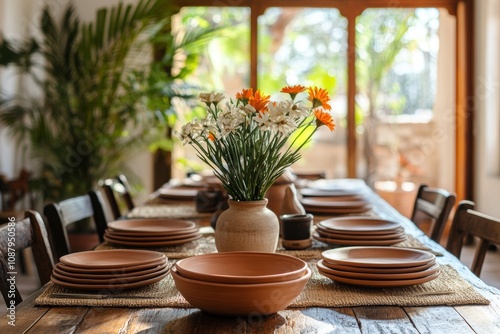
(296, 230)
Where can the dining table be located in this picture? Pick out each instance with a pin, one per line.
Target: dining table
(456, 302)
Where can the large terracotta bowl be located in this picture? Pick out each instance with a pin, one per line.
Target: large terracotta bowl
(231, 299)
(242, 267)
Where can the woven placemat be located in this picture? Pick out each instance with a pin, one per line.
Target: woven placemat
(181, 210)
(319, 292)
(206, 244)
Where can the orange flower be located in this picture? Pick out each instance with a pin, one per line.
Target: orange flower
(324, 118)
(293, 90)
(319, 97)
(259, 101)
(245, 95)
(211, 136)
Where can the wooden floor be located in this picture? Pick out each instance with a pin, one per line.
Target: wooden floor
(490, 273)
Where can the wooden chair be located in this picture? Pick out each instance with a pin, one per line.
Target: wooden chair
(29, 232)
(467, 221)
(65, 213)
(433, 205)
(115, 189)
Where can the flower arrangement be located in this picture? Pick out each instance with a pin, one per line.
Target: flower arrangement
(247, 141)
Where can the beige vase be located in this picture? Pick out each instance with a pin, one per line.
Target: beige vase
(247, 226)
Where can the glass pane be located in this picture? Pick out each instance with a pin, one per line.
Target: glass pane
(308, 46)
(396, 77)
(222, 65)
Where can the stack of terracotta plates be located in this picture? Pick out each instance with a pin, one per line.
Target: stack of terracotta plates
(110, 269)
(359, 231)
(151, 232)
(378, 266)
(178, 193)
(335, 205)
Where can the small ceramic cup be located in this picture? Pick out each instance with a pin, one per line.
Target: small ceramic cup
(296, 230)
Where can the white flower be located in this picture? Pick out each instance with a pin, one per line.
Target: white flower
(189, 132)
(230, 119)
(279, 115)
(263, 121)
(249, 109)
(298, 111)
(212, 97)
(210, 126)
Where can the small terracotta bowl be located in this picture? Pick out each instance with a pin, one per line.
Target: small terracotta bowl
(231, 299)
(242, 267)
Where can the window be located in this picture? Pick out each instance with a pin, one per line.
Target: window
(290, 39)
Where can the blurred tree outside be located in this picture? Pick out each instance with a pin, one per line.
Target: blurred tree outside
(395, 67)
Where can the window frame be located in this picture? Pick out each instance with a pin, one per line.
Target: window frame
(463, 10)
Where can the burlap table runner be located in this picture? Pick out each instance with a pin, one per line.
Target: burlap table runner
(206, 244)
(448, 289)
(319, 292)
(180, 210)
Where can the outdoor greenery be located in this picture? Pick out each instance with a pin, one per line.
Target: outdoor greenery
(309, 46)
(103, 93)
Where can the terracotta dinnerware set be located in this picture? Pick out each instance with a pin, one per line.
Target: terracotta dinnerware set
(151, 232)
(241, 283)
(380, 267)
(359, 231)
(110, 269)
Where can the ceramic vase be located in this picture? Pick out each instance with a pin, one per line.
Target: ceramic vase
(247, 226)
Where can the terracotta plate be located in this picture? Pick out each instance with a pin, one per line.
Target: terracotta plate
(358, 242)
(381, 283)
(142, 238)
(242, 267)
(152, 243)
(108, 259)
(139, 234)
(178, 193)
(390, 235)
(145, 226)
(373, 276)
(337, 184)
(378, 257)
(359, 224)
(117, 286)
(331, 202)
(378, 270)
(337, 211)
(61, 270)
(115, 280)
(360, 233)
(113, 271)
(346, 195)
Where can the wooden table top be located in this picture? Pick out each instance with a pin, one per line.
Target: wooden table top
(363, 319)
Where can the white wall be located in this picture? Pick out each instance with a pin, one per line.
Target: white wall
(487, 97)
(16, 19)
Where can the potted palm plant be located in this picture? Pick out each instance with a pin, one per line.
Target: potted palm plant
(98, 101)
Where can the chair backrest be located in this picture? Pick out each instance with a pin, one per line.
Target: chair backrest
(467, 221)
(117, 189)
(15, 190)
(18, 235)
(72, 210)
(433, 205)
